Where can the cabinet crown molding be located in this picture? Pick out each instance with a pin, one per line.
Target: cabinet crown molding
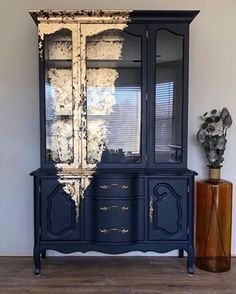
(138, 16)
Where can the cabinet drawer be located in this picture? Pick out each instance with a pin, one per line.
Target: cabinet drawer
(114, 187)
(114, 221)
(114, 209)
(107, 220)
(118, 233)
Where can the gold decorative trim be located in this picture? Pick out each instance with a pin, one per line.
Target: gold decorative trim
(118, 186)
(109, 231)
(151, 209)
(108, 208)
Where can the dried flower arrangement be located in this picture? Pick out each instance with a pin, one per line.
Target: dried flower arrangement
(212, 135)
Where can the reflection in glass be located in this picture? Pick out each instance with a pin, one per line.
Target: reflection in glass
(58, 97)
(113, 98)
(168, 98)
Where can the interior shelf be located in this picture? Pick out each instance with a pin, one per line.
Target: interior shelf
(60, 117)
(66, 63)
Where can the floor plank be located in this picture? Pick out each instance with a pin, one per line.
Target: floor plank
(131, 275)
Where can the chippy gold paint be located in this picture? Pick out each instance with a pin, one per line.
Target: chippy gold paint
(76, 177)
(82, 16)
(60, 50)
(100, 103)
(61, 82)
(72, 188)
(48, 29)
(86, 32)
(61, 142)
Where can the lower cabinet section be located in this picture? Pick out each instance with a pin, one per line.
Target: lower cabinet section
(114, 214)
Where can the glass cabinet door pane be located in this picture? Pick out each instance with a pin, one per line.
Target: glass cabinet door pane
(58, 97)
(113, 61)
(168, 97)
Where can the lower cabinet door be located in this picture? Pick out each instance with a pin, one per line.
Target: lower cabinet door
(168, 206)
(58, 211)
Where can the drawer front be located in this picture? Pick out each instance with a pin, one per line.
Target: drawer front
(114, 209)
(110, 187)
(117, 233)
(114, 221)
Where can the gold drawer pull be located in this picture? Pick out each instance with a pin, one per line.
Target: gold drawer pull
(108, 208)
(151, 209)
(109, 231)
(118, 186)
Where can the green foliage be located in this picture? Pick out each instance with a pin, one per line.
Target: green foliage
(212, 135)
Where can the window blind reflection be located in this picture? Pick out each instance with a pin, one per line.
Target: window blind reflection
(164, 115)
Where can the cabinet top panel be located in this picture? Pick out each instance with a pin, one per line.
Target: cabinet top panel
(119, 16)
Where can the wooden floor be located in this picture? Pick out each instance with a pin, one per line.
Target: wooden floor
(111, 275)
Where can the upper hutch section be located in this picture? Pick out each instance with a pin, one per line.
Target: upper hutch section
(113, 88)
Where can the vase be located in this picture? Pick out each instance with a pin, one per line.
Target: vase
(213, 223)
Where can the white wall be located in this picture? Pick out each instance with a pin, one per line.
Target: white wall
(212, 85)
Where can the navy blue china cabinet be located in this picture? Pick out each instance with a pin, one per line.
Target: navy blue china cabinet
(113, 121)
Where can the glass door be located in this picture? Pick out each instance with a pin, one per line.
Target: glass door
(59, 71)
(113, 111)
(168, 97)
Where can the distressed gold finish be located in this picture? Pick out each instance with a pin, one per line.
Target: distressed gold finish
(77, 172)
(61, 78)
(75, 186)
(51, 28)
(71, 159)
(108, 208)
(61, 141)
(100, 103)
(60, 50)
(72, 188)
(93, 146)
(61, 83)
(118, 186)
(59, 46)
(109, 231)
(59, 100)
(151, 209)
(81, 16)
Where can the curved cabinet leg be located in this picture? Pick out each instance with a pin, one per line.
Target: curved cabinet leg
(43, 254)
(190, 262)
(181, 253)
(37, 261)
